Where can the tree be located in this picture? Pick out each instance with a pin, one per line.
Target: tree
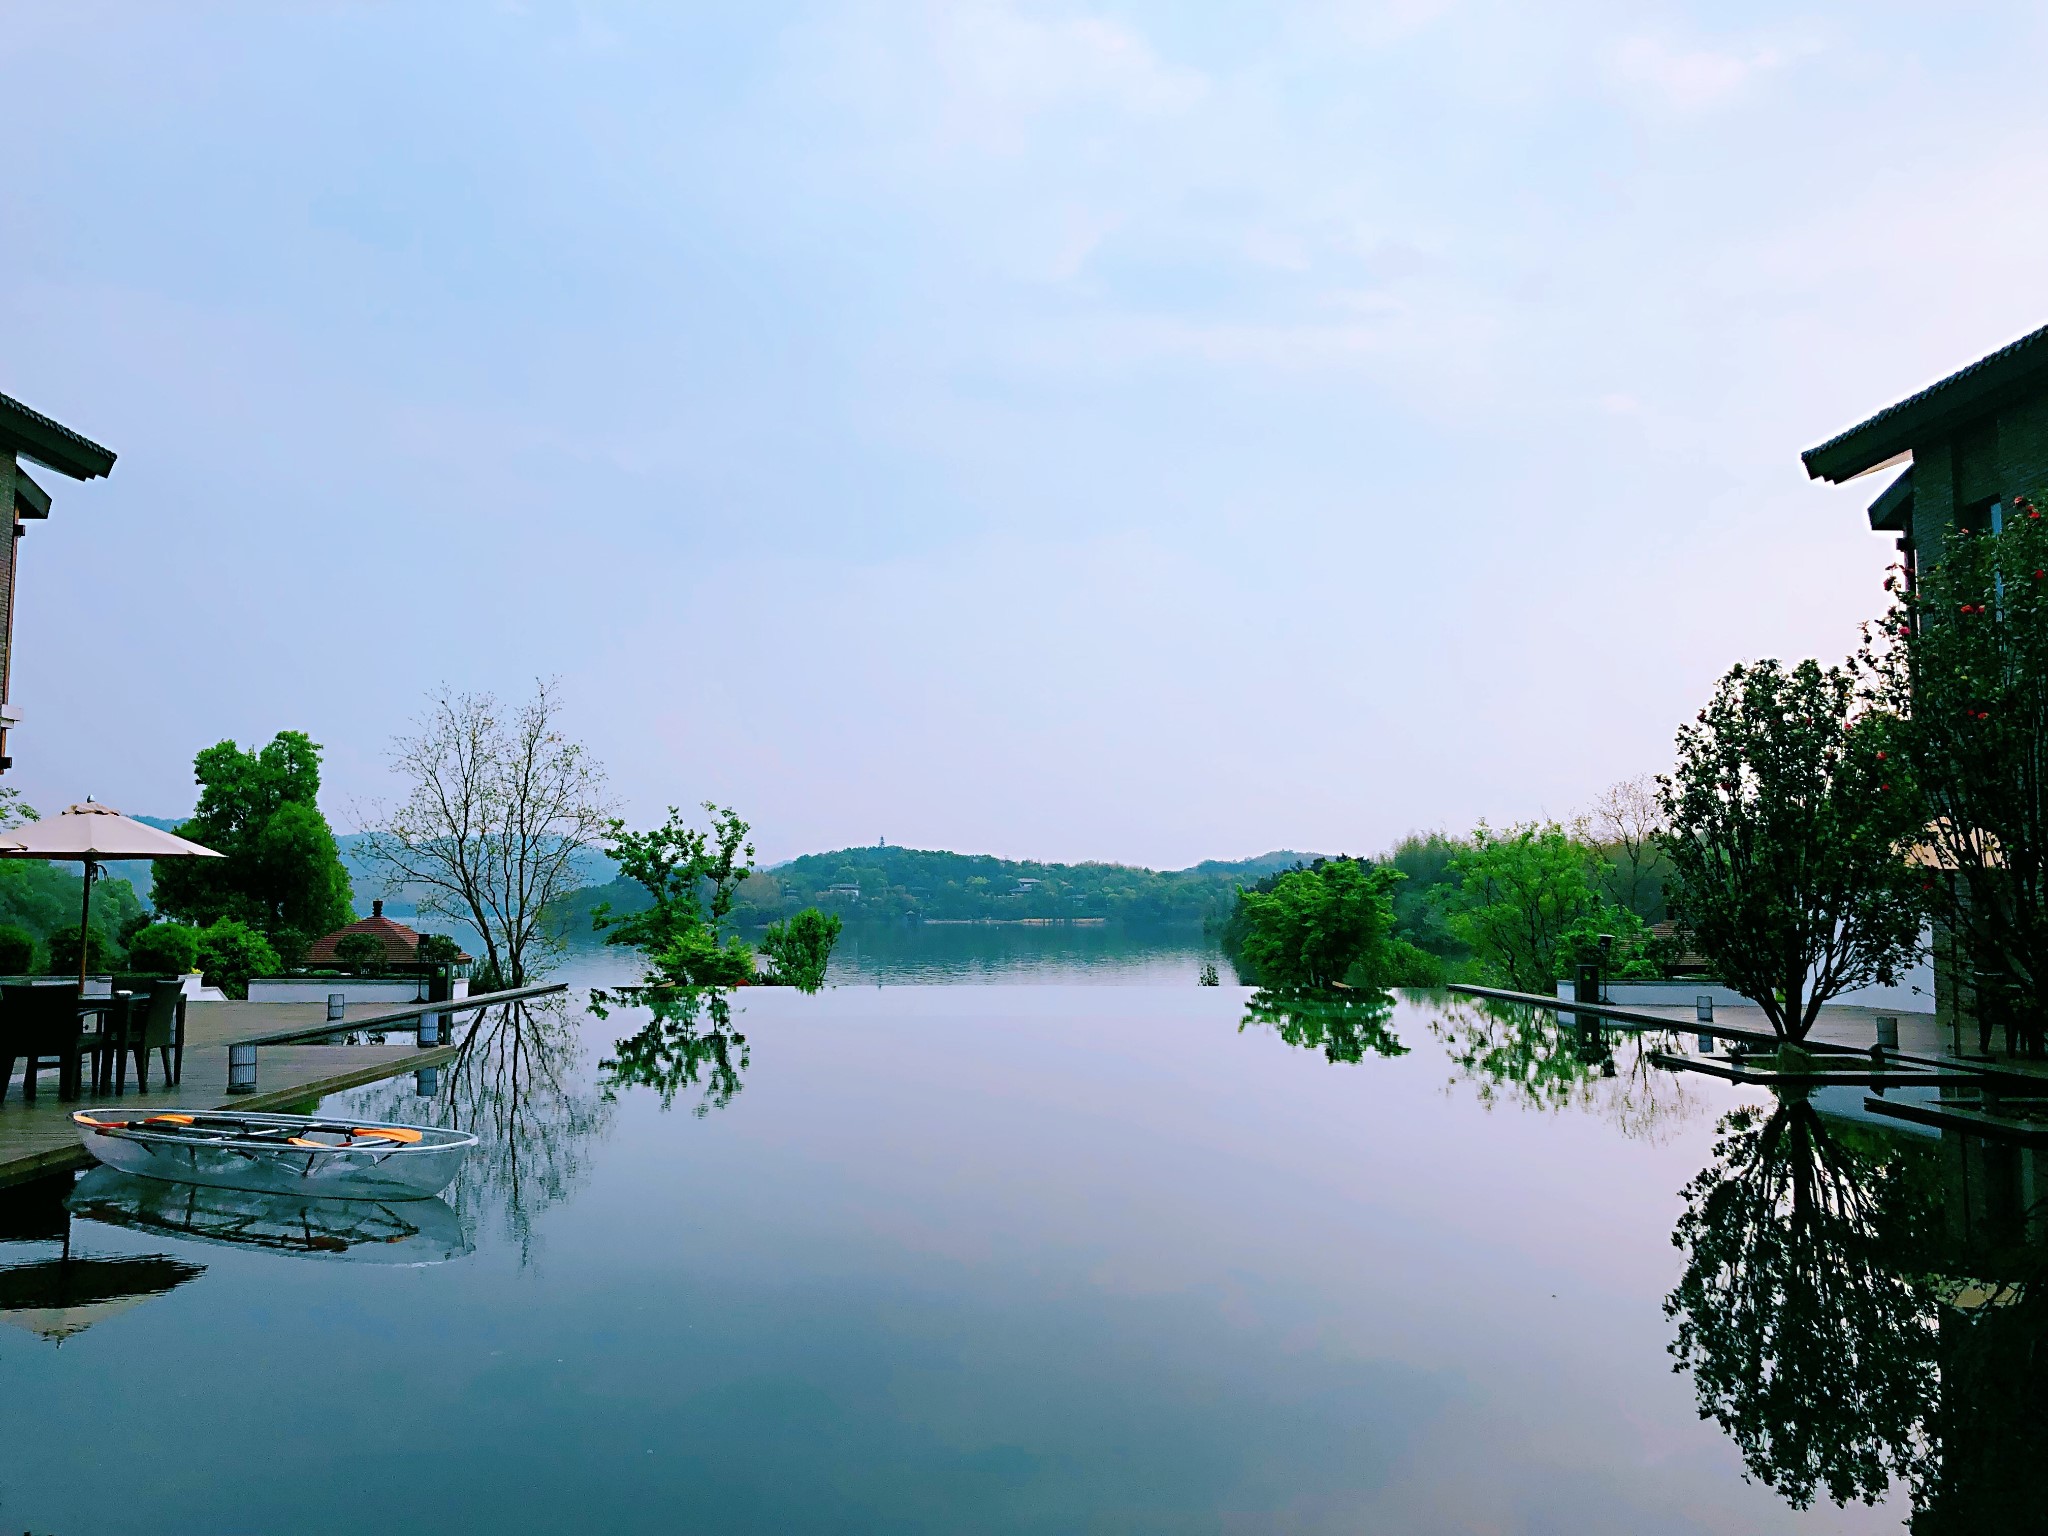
(164, 949)
(691, 877)
(1801, 1312)
(1312, 926)
(801, 949)
(1790, 817)
(499, 808)
(1628, 820)
(278, 867)
(1518, 893)
(230, 952)
(1962, 660)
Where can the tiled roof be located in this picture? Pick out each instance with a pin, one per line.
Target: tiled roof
(1870, 443)
(401, 944)
(49, 442)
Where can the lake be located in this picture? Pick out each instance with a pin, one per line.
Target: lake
(1021, 1257)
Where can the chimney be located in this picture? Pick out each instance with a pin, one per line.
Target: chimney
(377, 908)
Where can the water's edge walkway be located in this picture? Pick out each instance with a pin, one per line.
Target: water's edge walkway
(37, 1139)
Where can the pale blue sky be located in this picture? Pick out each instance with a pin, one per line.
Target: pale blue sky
(1147, 432)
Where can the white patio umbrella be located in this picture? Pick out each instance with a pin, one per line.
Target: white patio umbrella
(93, 834)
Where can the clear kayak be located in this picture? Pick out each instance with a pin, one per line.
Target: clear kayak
(277, 1154)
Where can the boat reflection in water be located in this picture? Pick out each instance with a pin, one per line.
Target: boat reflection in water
(411, 1232)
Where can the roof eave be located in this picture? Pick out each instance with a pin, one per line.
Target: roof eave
(1936, 412)
(32, 435)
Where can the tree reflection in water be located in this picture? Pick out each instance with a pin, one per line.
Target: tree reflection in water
(515, 1084)
(1801, 1312)
(1514, 1054)
(1346, 1026)
(1859, 1308)
(688, 1042)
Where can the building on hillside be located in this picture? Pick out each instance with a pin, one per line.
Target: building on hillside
(30, 435)
(401, 944)
(1964, 447)
(841, 892)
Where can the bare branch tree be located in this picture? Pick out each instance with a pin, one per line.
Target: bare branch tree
(1628, 820)
(499, 808)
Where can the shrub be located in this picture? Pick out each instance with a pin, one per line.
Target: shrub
(1402, 964)
(63, 952)
(17, 950)
(361, 953)
(230, 952)
(164, 949)
(800, 949)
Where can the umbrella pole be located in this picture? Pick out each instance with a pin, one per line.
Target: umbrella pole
(84, 925)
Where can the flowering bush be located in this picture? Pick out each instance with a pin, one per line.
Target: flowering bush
(1963, 661)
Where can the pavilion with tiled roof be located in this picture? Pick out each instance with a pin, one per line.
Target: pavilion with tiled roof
(401, 944)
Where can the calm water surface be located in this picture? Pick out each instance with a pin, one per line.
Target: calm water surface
(1039, 1258)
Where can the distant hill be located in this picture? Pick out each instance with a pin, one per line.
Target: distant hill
(890, 883)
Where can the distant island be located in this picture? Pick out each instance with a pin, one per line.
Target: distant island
(890, 884)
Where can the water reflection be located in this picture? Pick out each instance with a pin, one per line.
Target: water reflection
(518, 1085)
(363, 1231)
(1802, 1314)
(1862, 1309)
(1514, 1054)
(1346, 1026)
(689, 1042)
(61, 1294)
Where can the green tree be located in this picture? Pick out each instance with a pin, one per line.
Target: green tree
(278, 867)
(1518, 894)
(691, 878)
(1312, 926)
(230, 952)
(164, 949)
(1962, 661)
(801, 949)
(1789, 816)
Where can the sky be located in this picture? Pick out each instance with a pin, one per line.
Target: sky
(1135, 432)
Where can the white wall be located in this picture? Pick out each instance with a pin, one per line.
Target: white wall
(395, 991)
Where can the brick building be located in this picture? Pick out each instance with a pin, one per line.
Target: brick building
(1969, 443)
(27, 434)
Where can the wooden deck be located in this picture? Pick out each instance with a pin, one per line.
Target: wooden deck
(39, 1138)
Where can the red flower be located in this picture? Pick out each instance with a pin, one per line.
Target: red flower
(1880, 757)
(1882, 788)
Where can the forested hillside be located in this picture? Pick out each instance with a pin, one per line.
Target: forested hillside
(886, 883)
